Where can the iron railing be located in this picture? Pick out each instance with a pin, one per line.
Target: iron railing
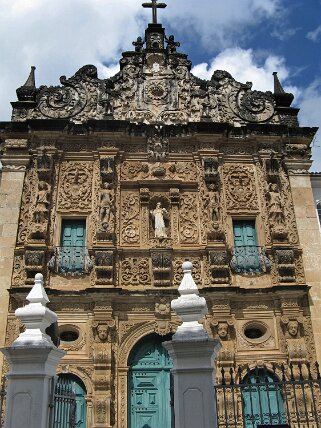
(70, 261)
(249, 259)
(283, 396)
(62, 407)
(3, 394)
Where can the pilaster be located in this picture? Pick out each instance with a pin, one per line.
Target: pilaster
(14, 162)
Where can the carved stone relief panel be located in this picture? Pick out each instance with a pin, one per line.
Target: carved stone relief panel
(261, 174)
(134, 170)
(75, 186)
(135, 271)
(288, 208)
(130, 228)
(28, 194)
(189, 218)
(240, 189)
(19, 273)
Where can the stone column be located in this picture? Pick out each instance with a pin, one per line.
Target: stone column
(14, 161)
(193, 354)
(33, 360)
(310, 242)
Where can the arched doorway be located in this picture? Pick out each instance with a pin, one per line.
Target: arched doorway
(149, 385)
(262, 399)
(78, 388)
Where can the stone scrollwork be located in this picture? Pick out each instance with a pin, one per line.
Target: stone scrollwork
(130, 218)
(189, 232)
(75, 190)
(135, 271)
(240, 188)
(78, 96)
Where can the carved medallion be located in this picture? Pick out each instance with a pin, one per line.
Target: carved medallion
(240, 188)
(75, 186)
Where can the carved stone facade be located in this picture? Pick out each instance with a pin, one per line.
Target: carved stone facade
(158, 165)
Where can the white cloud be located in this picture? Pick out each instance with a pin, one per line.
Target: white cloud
(310, 108)
(218, 24)
(243, 66)
(59, 36)
(315, 34)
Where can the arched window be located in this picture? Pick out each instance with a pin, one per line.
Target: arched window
(149, 385)
(78, 388)
(262, 399)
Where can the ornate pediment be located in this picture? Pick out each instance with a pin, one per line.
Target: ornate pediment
(154, 85)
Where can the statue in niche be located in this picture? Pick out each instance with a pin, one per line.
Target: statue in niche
(42, 204)
(105, 205)
(275, 205)
(212, 202)
(159, 214)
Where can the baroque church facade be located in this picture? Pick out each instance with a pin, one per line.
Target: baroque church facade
(111, 184)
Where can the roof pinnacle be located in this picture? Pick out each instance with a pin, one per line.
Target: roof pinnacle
(27, 91)
(282, 98)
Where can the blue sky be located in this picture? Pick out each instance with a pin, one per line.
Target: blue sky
(248, 38)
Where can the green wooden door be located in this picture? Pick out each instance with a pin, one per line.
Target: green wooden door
(149, 386)
(63, 411)
(262, 401)
(73, 241)
(245, 246)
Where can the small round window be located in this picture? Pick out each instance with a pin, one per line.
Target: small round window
(256, 331)
(69, 335)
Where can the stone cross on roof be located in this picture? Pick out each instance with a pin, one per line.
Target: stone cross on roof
(154, 5)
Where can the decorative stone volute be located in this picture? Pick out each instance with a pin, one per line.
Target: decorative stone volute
(189, 307)
(36, 317)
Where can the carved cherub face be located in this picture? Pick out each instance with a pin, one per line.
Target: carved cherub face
(102, 331)
(222, 330)
(293, 328)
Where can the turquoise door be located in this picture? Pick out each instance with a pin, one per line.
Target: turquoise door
(246, 257)
(79, 414)
(73, 241)
(262, 401)
(149, 401)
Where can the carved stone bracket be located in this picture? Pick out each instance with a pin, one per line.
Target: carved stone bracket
(286, 265)
(219, 266)
(104, 267)
(161, 267)
(34, 262)
(107, 170)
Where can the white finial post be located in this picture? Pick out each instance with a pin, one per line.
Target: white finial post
(189, 307)
(193, 354)
(36, 317)
(33, 360)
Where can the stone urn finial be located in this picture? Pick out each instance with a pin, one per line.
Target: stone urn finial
(189, 307)
(36, 317)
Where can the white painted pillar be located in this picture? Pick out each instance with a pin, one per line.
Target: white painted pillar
(193, 354)
(33, 360)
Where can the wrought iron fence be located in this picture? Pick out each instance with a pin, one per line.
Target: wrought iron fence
(62, 407)
(70, 261)
(249, 259)
(282, 396)
(3, 394)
